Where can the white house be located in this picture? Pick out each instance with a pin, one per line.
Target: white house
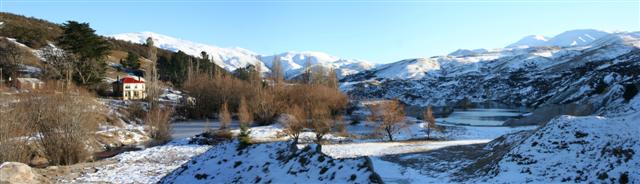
(130, 88)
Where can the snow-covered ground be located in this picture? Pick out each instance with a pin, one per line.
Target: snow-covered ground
(271, 163)
(144, 166)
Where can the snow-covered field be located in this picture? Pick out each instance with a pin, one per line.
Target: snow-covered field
(144, 166)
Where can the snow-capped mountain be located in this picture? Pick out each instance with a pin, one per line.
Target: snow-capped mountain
(228, 58)
(530, 76)
(294, 62)
(234, 58)
(579, 37)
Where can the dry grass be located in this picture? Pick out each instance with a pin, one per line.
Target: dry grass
(158, 120)
(58, 123)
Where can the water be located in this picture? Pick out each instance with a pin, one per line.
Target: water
(480, 116)
(184, 129)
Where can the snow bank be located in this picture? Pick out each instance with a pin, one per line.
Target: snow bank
(145, 166)
(271, 163)
(590, 149)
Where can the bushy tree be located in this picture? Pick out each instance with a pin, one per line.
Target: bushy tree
(295, 122)
(389, 117)
(90, 49)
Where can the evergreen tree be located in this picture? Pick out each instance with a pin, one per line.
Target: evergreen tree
(89, 48)
(132, 61)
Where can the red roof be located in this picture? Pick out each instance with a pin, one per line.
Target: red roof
(130, 80)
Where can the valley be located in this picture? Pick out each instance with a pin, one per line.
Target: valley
(144, 107)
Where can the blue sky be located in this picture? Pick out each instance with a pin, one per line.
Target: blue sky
(381, 31)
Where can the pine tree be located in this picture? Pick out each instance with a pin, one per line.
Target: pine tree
(131, 61)
(90, 49)
(224, 116)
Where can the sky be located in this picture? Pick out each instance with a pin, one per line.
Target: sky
(380, 31)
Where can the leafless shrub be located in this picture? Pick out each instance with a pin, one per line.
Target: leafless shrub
(224, 117)
(136, 110)
(61, 123)
(158, 120)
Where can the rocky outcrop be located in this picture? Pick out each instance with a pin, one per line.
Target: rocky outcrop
(18, 173)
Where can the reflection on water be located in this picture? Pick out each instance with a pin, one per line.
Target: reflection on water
(480, 116)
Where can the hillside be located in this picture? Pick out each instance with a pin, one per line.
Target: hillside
(591, 149)
(531, 76)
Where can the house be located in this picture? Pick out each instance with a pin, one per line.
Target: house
(27, 83)
(129, 88)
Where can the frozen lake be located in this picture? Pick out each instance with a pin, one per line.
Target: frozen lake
(480, 116)
(183, 129)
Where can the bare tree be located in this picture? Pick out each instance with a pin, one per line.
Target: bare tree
(295, 123)
(428, 117)
(389, 117)
(224, 116)
(244, 116)
(59, 64)
(276, 70)
(332, 79)
(153, 86)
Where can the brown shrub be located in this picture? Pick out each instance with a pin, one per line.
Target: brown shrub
(61, 123)
(158, 119)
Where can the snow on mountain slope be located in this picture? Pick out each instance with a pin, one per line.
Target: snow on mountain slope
(228, 58)
(579, 37)
(519, 76)
(466, 52)
(531, 40)
(274, 162)
(234, 58)
(293, 63)
(408, 69)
